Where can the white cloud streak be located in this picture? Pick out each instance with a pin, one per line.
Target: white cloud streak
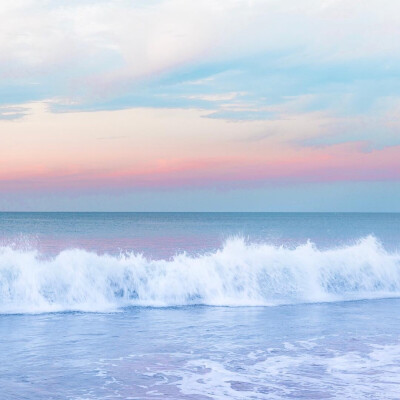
(105, 45)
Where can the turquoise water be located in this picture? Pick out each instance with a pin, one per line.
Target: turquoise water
(199, 306)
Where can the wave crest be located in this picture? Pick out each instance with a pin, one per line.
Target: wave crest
(239, 274)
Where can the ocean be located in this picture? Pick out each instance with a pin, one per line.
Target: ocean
(199, 306)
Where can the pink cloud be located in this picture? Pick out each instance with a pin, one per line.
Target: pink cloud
(345, 162)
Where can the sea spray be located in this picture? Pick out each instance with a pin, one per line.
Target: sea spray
(238, 274)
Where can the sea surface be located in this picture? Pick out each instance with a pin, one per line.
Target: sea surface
(199, 306)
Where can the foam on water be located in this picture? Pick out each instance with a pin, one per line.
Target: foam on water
(239, 274)
(352, 375)
(317, 368)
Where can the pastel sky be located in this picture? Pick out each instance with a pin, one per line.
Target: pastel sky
(181, 105)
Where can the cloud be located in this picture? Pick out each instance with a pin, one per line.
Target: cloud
(319, 166)
(12, 113)
(102, 49)
(306, 73)
(216, 97)
(175, 148)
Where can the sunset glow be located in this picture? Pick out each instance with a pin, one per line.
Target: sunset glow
(197, 96)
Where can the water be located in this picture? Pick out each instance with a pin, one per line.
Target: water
(199, 306)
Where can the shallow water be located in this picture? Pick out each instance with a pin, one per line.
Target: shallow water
(346, 350)
(203, 340)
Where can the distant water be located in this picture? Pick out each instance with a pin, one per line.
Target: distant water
(199, 306)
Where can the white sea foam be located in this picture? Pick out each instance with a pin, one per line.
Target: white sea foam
(317, 368)
(301, 374)
(239, 274)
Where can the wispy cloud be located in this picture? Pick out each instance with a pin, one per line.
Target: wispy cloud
(180, 93)
(12, 113)
(175, 148)
(103, 50)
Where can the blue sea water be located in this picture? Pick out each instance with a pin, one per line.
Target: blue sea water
(199, 306)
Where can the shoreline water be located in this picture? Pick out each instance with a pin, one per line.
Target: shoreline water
(115, 347)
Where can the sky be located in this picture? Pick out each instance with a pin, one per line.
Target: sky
(186, 105)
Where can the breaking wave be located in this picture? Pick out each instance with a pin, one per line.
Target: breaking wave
(238, 274)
